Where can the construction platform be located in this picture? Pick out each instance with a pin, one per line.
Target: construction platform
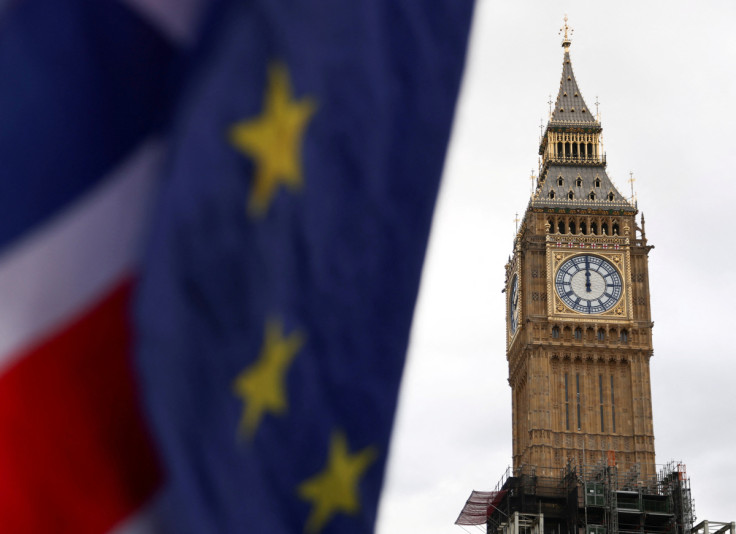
(597, 499)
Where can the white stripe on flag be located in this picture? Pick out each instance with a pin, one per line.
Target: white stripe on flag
(64, 265)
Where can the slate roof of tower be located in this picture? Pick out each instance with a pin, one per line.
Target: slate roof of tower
(570, 106)
(581, 193)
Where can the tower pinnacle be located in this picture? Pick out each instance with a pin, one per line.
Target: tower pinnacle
(573, 168)
(566, 37)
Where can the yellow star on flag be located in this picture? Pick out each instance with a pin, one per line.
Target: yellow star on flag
(335, 489)
(262, 385)
(273, 140)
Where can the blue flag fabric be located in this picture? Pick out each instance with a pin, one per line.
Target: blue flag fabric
(82, 83)
(277, 294)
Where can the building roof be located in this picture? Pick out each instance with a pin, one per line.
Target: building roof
(570, 106)
(581, 181)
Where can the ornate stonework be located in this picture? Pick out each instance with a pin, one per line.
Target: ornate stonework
(579, 379)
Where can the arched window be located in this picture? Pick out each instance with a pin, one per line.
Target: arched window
(591, 196)
(604, 228)
(567, 150)
(570, 195)
(555, 332)
(615, 228)
(597, 182)
(624, 336)
(560, 181)
(574, 150)
(601, 334)
(551, 194)
(590, 150)
(561, 227)
(579, 182)
(572, 227)
(583, 228)
(559, 149)
(578, 333)
(594, 228)
(567, 333)
(610, 196)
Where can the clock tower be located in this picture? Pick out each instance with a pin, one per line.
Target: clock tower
(579, 328)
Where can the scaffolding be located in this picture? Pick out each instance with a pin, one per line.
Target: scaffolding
(590, 499)
(714, 527)
(674, 478)
(519, 523)
(623, 503)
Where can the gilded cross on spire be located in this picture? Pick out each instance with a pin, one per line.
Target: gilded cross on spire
(566, 39)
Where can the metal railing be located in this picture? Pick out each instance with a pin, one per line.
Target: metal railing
(577, 160)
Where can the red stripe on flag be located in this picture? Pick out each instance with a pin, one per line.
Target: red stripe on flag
(74, 453)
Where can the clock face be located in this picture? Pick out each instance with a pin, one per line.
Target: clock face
(588, 284)
(514, 304)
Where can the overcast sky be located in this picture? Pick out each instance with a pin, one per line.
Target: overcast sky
(665, 76)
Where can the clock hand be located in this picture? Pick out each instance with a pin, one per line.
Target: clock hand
(587, 275)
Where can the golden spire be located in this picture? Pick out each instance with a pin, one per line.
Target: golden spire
(566, 37)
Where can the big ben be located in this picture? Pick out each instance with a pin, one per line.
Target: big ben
(579, 329)
(578, 345)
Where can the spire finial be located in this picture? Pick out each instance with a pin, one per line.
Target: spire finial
(531, 179)
(516, 222)
(643, 229)
(568, 33)
(631, 181)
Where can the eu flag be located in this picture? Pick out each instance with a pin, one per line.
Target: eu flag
(279, 283)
